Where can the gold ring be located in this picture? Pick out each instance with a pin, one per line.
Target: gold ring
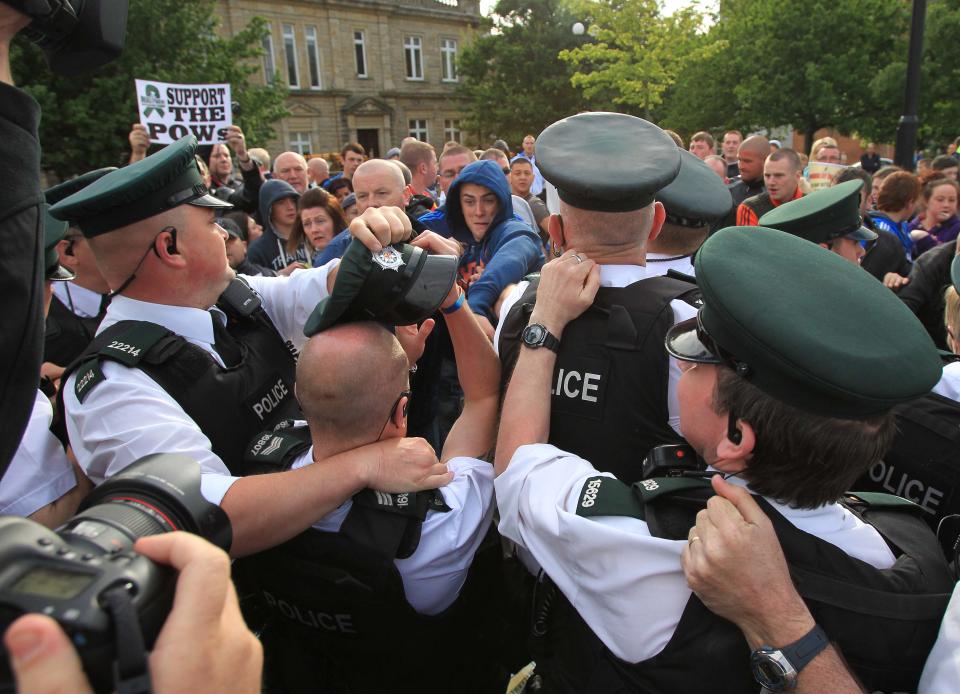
(694, 539)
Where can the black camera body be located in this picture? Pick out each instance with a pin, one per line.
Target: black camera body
(69, 573)
(76, 35)
(672, 460)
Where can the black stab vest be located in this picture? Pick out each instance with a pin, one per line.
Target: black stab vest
(67, 334)
(229, 405)
(337, 614)
(884, 621)
(610, 382)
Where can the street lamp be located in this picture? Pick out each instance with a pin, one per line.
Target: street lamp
(909, 122)
(578, 28)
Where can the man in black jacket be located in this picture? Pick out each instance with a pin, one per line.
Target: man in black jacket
(923, 292)
(752, 154)
(21, 271)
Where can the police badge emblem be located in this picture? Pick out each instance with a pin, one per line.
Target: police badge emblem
(389, 258)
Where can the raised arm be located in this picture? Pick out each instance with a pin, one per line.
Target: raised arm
(567, 287)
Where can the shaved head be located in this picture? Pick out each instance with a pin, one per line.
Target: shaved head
(756, 143)
(347, 379)
(118, 252)
(606, 229)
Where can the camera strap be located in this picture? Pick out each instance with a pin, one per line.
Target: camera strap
(132, 669)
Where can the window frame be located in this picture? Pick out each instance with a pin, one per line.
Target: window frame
(448, 59)
(296, 141)
(414, 130)
(269, 56)
(413, 46)
(310, 37)
(290, 48)
(360, 41)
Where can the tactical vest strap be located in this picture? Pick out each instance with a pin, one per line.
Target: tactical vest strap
(89, 375)
(608, 496)
(409, 504)
(128, 342)
(273, 451)
(879, 500)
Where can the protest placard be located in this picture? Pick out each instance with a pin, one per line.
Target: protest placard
(820, 174)
(172, 111)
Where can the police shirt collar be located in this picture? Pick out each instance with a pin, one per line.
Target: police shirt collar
(86, 303)
(624, 275)
(194, 324)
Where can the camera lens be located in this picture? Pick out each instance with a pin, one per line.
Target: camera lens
(117, 523)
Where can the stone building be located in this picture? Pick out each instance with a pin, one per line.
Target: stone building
(367, 71)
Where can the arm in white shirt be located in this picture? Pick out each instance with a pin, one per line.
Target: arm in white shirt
(289, 301)
(435, 573)
(128, 416)
(627, 585)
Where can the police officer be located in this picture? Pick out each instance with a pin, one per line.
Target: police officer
(785, 390)
(693, 202)
(614, 389)
(416, 549)
(41, 482)
(828, 217)
(166, 374)
(79, 304)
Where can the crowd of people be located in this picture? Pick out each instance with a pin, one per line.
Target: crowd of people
(585, 417)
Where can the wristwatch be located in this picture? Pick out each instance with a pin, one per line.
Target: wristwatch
(777, 669)
(536, 336)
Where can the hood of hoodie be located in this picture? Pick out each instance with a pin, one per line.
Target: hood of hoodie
(487, 174)
(270, 192)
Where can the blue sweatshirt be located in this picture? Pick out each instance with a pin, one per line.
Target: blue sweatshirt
(270, 250)
(509, 249)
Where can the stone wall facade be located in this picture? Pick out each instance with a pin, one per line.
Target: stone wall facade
(378, 98)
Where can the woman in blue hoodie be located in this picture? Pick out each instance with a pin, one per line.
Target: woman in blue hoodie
(498, 249)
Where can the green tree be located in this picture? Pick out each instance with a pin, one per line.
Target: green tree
(636, 53)
(808, 64)
(939, 109)
(86, 119)
(513, 81)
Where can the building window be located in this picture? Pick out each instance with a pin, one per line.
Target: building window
(413, 52)
(290, 52)
(269, 66)
(313, 57)
(418, 128)
(300, 142)
(451, 130)
(360, 53)
(448, 56)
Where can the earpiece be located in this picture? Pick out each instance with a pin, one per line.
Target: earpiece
(733, 433)
(172, 246)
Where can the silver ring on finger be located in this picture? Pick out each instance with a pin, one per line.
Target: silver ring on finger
(576, 256)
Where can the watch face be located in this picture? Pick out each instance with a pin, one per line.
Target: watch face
(534, 334)
(772, 670)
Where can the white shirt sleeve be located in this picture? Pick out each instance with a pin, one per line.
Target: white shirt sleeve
(681, 312)
(627, 585)
(505, 307)
(941, 674)
(289, 301)
(949, 384)
(128, 416)
(435, 573)
(40, 472)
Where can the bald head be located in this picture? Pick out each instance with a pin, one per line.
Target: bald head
(347, 379)
(750, 157)
(292, 168)
(378, 183)
(756, 143)
(319, 170)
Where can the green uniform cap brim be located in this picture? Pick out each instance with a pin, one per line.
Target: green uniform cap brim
(53, 232)
(364, 290)
(159, 183)
(607, 162)
(955, 272)
(807, 327)
(822, 216)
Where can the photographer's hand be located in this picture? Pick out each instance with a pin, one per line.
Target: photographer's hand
(204, 644)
